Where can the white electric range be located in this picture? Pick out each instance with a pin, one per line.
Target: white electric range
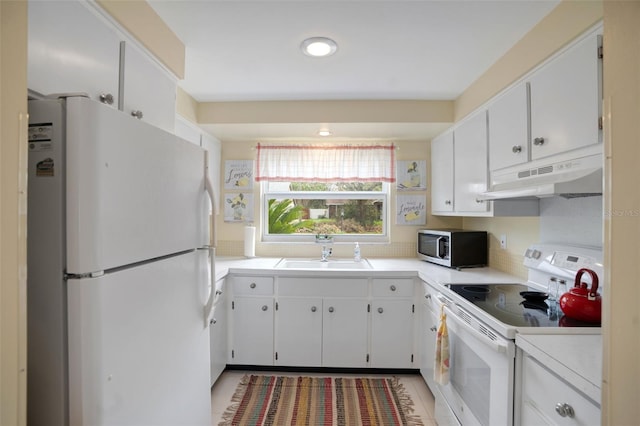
(483, 320)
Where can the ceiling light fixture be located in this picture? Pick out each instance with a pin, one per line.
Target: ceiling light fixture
(324, 132)
(319, 47)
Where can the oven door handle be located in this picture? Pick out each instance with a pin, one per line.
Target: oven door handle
(496, 346)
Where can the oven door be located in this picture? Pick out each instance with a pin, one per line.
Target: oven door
(480, 388)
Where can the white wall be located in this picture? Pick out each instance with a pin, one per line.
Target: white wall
(575, 221)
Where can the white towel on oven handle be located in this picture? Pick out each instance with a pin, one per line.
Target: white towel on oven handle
(442, 358)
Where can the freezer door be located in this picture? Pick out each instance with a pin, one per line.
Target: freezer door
(134, 192)
(138, 349)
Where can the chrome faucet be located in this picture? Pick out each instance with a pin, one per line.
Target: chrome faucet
(326, 252)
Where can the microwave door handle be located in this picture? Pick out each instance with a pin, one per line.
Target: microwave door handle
(438, 244)
(496, 346)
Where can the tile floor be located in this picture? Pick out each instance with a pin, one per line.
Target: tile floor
(226, 384)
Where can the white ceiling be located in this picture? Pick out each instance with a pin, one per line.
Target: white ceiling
(240, 50)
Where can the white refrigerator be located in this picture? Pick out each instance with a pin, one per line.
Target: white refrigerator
(118, 270)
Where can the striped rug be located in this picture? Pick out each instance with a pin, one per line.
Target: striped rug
(280, 401)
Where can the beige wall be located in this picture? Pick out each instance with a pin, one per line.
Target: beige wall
(13, 127)
(621, 307)
(230, 235)
(326, 112)
(145, 24)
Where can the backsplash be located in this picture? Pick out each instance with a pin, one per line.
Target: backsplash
(576, 221)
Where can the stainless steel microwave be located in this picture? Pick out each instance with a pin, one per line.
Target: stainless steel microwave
(454, 248)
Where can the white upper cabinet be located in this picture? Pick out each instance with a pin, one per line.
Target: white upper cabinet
(509, 128)
(442, 173)
(470, 163)
(71, 50)
(566, 100)
(74, 49)
(149, 92)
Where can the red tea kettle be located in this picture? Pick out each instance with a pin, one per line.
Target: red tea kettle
(582, 303)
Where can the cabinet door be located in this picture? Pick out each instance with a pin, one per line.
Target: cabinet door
(218, 339)
(344, 333)
(252, 331)
(149, 90)
(392, 333)
(509, 128)
(428, 332)
(471, 169)
(71, 50)
(299, 332)
(442, 173)
(565, 101)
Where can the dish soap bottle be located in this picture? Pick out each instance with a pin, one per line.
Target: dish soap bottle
(356, 253)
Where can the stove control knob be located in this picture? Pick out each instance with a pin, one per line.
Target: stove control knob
(536, 254)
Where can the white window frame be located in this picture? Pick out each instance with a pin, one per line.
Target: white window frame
(385, 195)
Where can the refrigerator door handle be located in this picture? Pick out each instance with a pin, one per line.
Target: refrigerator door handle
(208, 307)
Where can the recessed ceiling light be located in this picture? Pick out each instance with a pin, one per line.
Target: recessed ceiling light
(324, 132)
(319, 47)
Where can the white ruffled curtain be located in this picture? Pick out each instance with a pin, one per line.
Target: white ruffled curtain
(326, 163)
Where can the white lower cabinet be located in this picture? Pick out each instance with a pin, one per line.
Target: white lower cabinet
(218, 334)
(304, 321)
(429, 331)
(392, 323)
(299, 332)
(344, 332)
(547, 399)
(252, 331)
(252, 308)
(392, 334)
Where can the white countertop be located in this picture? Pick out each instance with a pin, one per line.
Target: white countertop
(429, 272)
(575, 358)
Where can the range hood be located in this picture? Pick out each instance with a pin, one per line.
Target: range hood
(569, 175)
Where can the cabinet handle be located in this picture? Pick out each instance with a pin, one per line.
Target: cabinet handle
(538, 141)
(434, 329)
(265, 307)
(313, 309)
(447, 202)
(564, 409)
(106, 98)
(392, 288)
(330, 308)
(380, 310)
(252, 285)
(517, 149)
(137, 114)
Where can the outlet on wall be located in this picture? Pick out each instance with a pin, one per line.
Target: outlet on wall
(503, 241)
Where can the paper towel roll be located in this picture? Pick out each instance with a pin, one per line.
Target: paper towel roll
(250, 241)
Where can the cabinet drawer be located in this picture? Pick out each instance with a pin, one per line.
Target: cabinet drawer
(542, 391)
(393, 287)
(252, 285)
(334, 287)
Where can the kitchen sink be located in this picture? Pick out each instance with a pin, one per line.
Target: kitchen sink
(298, 263)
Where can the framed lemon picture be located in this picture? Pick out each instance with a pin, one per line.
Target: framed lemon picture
(411, 210)
(238, 207)
(238, 174)
(411, 175)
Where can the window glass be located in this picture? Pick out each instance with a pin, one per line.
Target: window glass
(348, 211)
